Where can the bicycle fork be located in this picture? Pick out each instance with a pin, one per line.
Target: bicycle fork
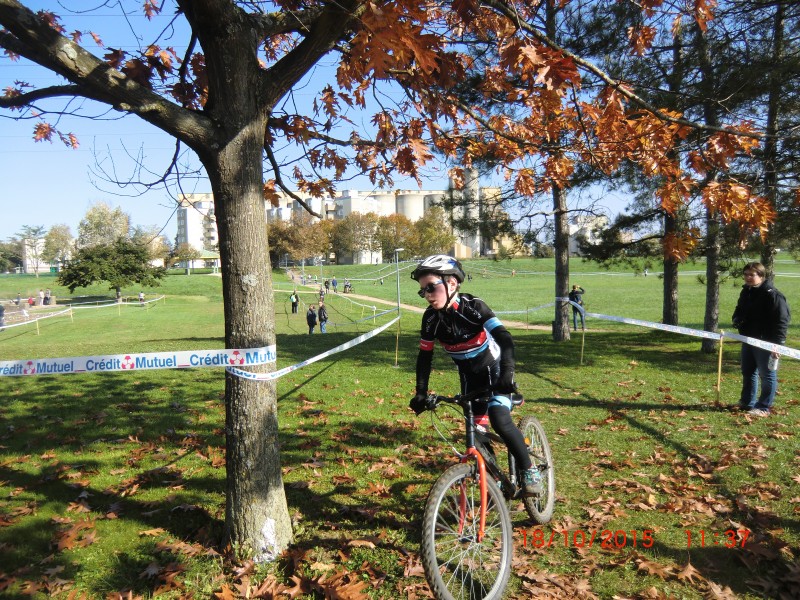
(473, 453)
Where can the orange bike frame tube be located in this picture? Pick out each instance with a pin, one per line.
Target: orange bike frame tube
(472, 452)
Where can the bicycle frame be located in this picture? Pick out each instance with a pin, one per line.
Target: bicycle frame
(472, 453)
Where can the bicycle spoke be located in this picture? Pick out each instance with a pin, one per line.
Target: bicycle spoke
(457, 564)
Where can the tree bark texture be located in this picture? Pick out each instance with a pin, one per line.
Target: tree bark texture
(713, 243)
(257, 519)
(669, 315)
(256, 514)
(561, 322)
(768, 249)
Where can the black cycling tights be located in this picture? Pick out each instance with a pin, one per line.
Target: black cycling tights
(500, 418)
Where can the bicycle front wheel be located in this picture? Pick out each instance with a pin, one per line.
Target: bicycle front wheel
(457, 565)
(540, 508)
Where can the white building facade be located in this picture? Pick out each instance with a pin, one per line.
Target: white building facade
(197, 227)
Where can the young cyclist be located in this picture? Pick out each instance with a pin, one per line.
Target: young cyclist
(480, 346)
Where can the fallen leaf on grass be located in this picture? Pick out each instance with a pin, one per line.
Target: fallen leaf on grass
(152, 532)
(690, 574)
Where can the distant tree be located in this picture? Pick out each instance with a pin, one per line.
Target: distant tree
(120, 264)
(58, 244)
(32, 239)
(151, 238)
(185, 253)
(356, 233)
(10, 257)
(394, 231)
(432, 233)
(103, 225)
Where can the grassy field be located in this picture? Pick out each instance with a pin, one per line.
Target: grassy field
(113, 484)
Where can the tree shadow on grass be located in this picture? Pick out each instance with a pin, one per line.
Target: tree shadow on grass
(125, 435)
(767, 563)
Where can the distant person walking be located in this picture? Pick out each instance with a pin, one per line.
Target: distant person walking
(576, 296)
(295, 302)
(322, 313)
(334, 283)
(762, 313)
(311, 319)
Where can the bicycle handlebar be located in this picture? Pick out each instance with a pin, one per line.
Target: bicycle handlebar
(478, 396)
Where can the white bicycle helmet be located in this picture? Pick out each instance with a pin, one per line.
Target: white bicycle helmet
(439, 264)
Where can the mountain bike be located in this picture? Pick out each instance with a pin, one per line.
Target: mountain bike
(466, 527)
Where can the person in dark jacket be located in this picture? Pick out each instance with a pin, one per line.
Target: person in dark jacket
(576, 296)
(762, 313)
(311, 319)
(322, 313)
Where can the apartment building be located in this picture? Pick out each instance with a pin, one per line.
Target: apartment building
(196, 224)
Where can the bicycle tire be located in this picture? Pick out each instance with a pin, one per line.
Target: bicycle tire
(456, 565)
(540, 508)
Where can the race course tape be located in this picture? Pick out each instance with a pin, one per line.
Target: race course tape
(40, 318)
(313, 359)
(133, 362)
(772, 347)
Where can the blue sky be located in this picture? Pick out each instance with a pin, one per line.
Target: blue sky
(43, 183)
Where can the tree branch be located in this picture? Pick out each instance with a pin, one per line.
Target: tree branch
(279, 180)
(507, 11)
(94, 78)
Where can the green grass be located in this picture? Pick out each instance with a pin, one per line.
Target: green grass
(638, 442)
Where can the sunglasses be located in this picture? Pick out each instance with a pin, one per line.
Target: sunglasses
(429, 289)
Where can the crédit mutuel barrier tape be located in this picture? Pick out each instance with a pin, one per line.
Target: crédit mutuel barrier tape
(229, 358)
(138, 362)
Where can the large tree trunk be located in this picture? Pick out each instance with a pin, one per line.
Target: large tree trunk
(711, 319)
(257, 519)
(712, 242)
(771, 143)
(561, 322)
(669, 314)
(256, 514)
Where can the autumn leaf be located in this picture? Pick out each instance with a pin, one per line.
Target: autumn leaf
(43, 132)
(690, 574)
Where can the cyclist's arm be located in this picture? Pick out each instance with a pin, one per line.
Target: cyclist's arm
(424, 363)
(506, 344)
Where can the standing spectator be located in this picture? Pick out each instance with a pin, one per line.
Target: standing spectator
(41, 297)
(18, 301)
(327, 286)
(31, 301)
(334, 283)
(311, 319)
(2, 317)
(321, 294)
(47, 297)
(141, 298)
(575, 296)
(322, 313)
(762, 313)
(295, 302)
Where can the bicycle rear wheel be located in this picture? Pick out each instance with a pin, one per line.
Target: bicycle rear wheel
(457, 565)
(540, 508)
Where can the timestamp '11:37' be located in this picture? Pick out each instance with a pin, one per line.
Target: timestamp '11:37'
(730, 538)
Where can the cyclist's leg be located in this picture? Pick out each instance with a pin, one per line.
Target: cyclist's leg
(499, 410)
(500, 418)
